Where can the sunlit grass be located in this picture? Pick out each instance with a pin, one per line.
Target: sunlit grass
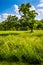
(23, 46)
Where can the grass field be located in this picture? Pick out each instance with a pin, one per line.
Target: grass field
(21, 47)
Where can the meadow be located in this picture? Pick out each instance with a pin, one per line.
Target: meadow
(21, 47)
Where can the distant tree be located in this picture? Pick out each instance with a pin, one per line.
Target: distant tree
(40, 24)
(12, 22)
(1, 26)
(12, 18)
(9, 24)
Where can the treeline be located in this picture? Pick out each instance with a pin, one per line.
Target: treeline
(15, 24)
(26, 22)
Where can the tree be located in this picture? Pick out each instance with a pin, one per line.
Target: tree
(40, 24)
(27, 15)
(12, 18)
(9, 24)
(22, 24)
(12, 22)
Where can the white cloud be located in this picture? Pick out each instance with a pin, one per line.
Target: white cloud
(18, 15)
(40, 11)
(32, 8)
(4, 16)
(40, 14)
(16, 9)
(41, 0)
(1, 19)
(40, 5)
(39, 17)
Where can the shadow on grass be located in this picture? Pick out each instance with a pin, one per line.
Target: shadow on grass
(30, 60)
(25, 59)
(12, 58)
(39, 35)
(34, 35)
(9, 34)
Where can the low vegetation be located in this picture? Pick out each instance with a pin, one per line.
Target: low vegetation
(21, 47)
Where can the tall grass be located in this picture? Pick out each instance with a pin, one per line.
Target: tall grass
(21, 46)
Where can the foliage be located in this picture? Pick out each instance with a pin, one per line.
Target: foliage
(28, 15)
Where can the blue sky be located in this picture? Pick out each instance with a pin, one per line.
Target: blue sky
(8, 7)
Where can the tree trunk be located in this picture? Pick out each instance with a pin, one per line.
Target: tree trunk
(31, 30)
